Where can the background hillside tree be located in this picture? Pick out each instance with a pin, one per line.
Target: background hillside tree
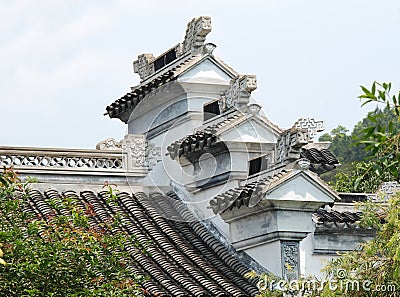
(370, 155)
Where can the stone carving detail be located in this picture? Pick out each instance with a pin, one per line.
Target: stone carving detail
(240, 90)
(60, 161)
(387, 190)
(288, 146)
(109, 144)
(144, 65)
(390, 188)
(290, 260)
(196, 33)
(311, 124)
(139, 152)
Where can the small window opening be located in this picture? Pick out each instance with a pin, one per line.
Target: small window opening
(257, 165)
(211, 110)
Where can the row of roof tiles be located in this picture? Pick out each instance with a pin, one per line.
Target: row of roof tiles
(183, 259)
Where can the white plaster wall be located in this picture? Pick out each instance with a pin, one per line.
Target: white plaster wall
(250, 131)
(300, 189)
(206, 72)
(310, 263)
(268, 255)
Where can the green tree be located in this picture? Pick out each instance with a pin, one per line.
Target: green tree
(61, 254)
(374, 148)
(382, 139)
(375, 266)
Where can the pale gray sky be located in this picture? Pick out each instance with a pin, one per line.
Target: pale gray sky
(63, 62)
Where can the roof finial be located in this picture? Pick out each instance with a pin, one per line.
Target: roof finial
(196, 33)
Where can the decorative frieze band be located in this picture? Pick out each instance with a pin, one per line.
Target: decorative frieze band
(290, 260)
(134, 152)
(60, 161)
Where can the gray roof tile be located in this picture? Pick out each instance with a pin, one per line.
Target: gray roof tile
(183, 258)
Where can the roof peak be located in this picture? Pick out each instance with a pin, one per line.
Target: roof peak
(193, 44)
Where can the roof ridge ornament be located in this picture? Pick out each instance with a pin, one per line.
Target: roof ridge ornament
(239, 91)
(144, 65)
(196, 33)
(194, 42)
(140, 152)
(313, 126)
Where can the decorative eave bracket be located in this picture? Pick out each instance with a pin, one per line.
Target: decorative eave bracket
(239, 91)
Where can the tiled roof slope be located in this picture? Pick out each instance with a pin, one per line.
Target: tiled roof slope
(208, 135)
(322, 160)
(247, 195)
(337, 219)
(122, 107)
(252, 192)
(201, 138)
(183, 259)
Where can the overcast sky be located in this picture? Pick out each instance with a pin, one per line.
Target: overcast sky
(63, 62)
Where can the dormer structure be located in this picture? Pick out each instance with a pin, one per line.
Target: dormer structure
(254, 182)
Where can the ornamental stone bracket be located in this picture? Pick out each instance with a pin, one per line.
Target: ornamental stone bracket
(136, 151)
(239, 91)
(144, 65)
(109, 144)
(196, 33)
(139, 153)
(289, 144)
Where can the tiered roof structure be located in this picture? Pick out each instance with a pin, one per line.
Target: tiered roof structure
(205, 177)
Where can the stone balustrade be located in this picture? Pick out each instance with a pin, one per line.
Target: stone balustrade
(61, 159)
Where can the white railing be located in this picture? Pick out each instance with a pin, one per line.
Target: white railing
(50, 158)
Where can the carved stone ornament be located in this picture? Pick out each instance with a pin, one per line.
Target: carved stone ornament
(196, 33)
(388, 189)
(139, 152)
(290, 260)
(109, 144)
(311, 124)
(240, 90)
(144, 65)
(289, 144)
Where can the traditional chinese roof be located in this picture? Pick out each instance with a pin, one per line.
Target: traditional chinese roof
(321, 160)
(122, 107)
(247, 195)
(206, 136)
(183, 258)
(201, 139)
(336, 219)
(157, 71)
(254, 189)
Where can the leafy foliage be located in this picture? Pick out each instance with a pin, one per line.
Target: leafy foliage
(372, 270)
(382, 141)
(377, 261)
(62, 254)
(370, 155)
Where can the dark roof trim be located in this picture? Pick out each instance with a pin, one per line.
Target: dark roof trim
(122, 107)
